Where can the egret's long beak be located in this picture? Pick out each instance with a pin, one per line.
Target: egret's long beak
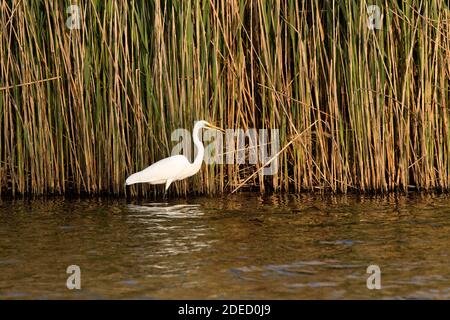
(215, 128)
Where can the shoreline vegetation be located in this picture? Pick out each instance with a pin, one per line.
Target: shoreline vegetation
(82, 109)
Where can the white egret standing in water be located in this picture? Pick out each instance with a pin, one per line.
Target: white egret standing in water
(176, 167)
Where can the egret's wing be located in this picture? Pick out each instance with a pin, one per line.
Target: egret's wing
(161, 171)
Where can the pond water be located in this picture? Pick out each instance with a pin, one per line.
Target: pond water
(233, 247)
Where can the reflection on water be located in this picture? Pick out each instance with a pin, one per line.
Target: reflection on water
(157, 219)
(168, 210)
(245, 246)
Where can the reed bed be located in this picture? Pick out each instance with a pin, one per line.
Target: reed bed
(82, 109)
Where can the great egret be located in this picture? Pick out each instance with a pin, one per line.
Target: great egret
(176, 167)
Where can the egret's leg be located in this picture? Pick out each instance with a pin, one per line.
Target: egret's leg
(168, 182)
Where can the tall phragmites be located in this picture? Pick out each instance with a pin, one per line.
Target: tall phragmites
(82, 108)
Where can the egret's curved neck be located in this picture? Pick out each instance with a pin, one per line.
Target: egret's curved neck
(200, 149)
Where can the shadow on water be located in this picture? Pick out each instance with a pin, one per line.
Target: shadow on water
(246, 246)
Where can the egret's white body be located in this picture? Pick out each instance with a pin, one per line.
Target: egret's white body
(173, 168)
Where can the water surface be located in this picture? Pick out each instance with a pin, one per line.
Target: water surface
(235, 247)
